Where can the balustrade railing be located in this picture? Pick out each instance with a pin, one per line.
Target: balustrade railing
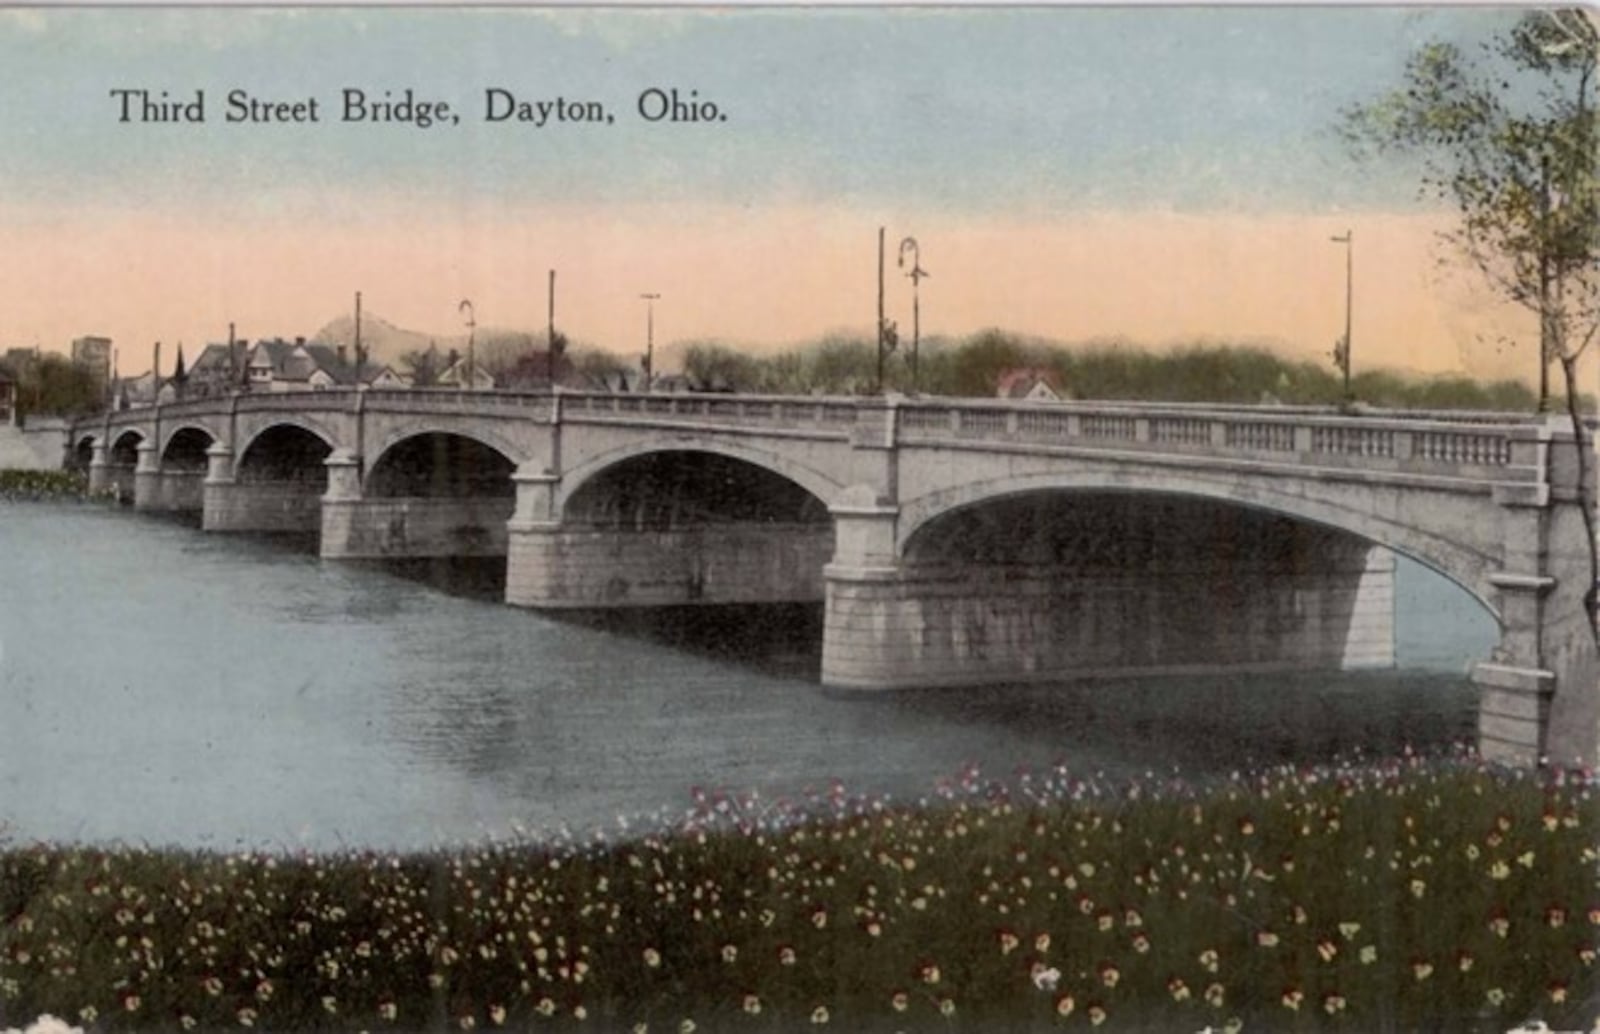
(1475, 445)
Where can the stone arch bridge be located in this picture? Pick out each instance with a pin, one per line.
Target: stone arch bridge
(954, 541)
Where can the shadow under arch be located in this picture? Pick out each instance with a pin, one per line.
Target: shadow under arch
(1463, 564)
(440, 464)
(577, 478)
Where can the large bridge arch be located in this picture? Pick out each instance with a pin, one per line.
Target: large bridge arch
(185, 445)
(675, 522)
(1469, 564)
(278, 423)
(397, 437)
(184, 432)
(819, 485)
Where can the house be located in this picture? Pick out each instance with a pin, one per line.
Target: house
(8, 401)
(1029, 384)
(279, 365)
(455, 376)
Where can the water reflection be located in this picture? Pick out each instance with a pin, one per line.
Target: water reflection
(159, 684)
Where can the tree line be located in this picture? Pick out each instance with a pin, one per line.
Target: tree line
(1105, 369)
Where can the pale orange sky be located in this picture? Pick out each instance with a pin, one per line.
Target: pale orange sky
(762, 276)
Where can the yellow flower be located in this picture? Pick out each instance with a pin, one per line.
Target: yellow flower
(1065, 1005)
(900, 1001)
(819, 1015)
(652, 958)
(1097, 1015)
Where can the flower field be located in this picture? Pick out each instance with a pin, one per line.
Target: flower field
(1416, 894)
(38, 485)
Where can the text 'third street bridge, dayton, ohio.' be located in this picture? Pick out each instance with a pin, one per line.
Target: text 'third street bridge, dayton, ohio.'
(952, 541)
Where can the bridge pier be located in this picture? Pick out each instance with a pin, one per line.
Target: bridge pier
(1540, 692)
(100, 468)
(147, 488)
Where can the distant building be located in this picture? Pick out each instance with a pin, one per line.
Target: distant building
(455, 376)
(1030, 384)
(8, 401)
(95, 354)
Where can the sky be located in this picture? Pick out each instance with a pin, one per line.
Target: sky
(1156, 175)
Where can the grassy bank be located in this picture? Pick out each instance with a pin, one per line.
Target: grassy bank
(1409, 895)
(43, 485)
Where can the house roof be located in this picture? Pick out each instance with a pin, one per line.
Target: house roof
(1016, 383)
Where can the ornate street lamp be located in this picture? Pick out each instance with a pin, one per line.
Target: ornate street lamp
(916, 275)
(1341, 354)
(649, 340)
(472, 331)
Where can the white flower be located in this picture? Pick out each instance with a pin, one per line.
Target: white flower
(1046, 978)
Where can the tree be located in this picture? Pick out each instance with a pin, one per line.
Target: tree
(1508, 137)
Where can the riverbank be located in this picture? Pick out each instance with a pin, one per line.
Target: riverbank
(1407, 894)
(31, 486)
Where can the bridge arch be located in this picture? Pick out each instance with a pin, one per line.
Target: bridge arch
(185, 446)
(125, 446)
(1462, 563)
(396, 439)
(823, 488)
(438, 463)
(83, 452)
(285, 450)
(312, 427)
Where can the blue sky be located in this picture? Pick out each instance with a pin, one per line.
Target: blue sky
(970, 109)
(1153, 174)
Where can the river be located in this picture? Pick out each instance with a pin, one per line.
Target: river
(160, 685)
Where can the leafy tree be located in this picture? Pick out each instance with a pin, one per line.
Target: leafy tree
(55, 386)
(1508, 137)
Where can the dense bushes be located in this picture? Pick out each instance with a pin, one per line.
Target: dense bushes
(36, 485)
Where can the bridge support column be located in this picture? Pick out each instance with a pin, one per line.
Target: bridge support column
(1540, 693)
(861, 583)
(340, 504)
(147, 477)
(216, 491)
(100, 468)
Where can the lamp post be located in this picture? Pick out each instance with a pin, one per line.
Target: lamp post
(649, 340)
(472, 331)
(550, 337)
(916, 275)
(1348, 239)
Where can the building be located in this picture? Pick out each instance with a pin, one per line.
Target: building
(1030, 384)
(94, 353)
(8, 401)
(455, 376)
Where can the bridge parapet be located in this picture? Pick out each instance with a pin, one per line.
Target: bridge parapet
(1478, 451)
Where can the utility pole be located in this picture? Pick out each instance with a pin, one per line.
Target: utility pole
(649, 340)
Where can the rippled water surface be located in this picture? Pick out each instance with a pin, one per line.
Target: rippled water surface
(162, 685)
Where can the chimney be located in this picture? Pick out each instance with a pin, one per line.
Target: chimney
(343, 359)
(299, 342)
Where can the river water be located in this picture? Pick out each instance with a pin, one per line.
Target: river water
(164, 686)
